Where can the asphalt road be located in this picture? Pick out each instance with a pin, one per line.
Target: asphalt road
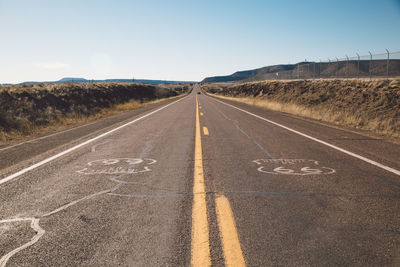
(197, 181)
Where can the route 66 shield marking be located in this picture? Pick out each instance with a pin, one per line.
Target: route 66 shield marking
(118, 166)
(292, 167)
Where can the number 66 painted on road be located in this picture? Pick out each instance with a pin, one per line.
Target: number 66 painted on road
(292, 167)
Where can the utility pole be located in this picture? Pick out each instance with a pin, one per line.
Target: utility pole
(347, 66)
(337, 67)
(358, 66)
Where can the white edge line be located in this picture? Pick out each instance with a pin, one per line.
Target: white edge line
(389, 169)
(46, 136)
(34, 166)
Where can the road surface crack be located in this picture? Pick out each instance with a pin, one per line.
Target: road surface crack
(117, 179)
(236, 123)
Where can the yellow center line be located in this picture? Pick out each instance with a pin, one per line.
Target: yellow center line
(200, 247)
(229, 237)
(205, 130)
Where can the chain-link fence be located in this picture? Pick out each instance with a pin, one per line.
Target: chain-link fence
(384, 65)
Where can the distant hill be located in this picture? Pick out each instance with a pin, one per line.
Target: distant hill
(83, 80)
(249, 74)
(76, 80)
(306, 70)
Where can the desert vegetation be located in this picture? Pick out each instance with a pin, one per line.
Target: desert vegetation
(362, 104)
(29, 109)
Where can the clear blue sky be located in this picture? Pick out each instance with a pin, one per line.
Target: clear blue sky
(184, 40)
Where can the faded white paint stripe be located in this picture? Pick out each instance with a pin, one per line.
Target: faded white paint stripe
(377, 164)
(35, 226)
(34, 166)
(46, 136)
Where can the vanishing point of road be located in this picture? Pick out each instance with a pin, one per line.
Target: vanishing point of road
(200, 181)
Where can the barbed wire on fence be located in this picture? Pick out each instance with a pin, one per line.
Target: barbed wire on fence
(383, 65)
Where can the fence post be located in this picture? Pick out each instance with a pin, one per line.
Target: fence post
(337, 67)
(314, 73)
(347, 66)
(319, 69)
(387, 64)
(298, 70)
(358, 66)
(308, 69)
(329, 64)
(370, 65)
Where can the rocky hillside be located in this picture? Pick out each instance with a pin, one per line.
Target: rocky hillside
(370, 105)
(25, 107)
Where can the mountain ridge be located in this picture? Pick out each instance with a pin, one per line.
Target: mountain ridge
(246, 74)
(83, 80)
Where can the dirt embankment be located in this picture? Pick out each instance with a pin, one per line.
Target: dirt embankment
(28, 109)
(367, 105)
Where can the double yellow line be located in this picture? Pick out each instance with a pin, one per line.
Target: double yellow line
(200, 247)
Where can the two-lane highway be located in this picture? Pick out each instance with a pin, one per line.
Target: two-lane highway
(201, 182)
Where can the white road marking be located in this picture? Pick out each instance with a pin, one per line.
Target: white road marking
(77, 201)
(35, 221)
(118, 166)
(46, 136)
(117, 179)
(35, 226)
(34, 166)
(292, 167)
(94, 147)
(377, 164)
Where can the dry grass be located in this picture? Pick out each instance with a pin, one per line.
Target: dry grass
(62, 122)
(365, 105)
(30, 110)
